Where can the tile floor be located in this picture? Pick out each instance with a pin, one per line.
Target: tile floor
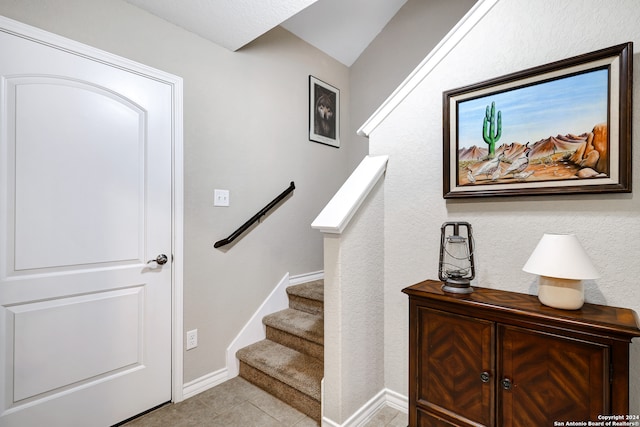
(239, 403)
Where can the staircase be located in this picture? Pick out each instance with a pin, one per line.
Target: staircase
(289, 362)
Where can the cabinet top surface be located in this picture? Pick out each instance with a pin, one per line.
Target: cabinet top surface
(612, 319)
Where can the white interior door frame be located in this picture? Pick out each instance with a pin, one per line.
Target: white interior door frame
(176, 83)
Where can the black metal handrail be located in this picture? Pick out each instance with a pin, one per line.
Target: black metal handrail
(244, 227)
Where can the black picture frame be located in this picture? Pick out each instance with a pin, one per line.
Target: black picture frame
(324, 113)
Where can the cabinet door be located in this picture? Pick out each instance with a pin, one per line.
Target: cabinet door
(551, 378)
(452, 354)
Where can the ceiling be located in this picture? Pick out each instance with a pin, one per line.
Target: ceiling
(340, 28)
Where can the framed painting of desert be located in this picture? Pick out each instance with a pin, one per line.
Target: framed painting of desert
(560, 128)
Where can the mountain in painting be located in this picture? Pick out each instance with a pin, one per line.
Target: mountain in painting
(511, 151)
(472, 153)
(556, 144)
(556, 158)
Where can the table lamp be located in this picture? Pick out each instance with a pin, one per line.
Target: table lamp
(562, 264)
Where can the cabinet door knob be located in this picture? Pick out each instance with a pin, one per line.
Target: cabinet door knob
(506, 384)
(485, 376)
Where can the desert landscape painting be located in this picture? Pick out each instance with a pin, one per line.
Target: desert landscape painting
(554, 130)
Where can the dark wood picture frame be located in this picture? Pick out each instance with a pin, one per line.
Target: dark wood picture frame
(324, 113)
(582, 103)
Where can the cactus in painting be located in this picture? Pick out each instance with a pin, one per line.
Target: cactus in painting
(490, 134)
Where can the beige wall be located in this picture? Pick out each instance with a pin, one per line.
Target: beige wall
(514, 35)
(245, 130)
(403, 43)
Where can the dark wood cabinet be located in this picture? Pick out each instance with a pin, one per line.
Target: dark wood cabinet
(497, 358)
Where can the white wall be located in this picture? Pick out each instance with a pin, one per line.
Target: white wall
(514, 35)
(245, 121)
(353, 304)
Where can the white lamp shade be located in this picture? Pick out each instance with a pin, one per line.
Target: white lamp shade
(561, 256)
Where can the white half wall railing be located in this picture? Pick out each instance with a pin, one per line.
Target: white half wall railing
(336, 215)
(353, 296)
(354, 385)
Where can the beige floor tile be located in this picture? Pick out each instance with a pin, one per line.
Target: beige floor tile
(238, 403)
(246, 415)
(400, 420)
(306, 422)
(386, 417)
(279, 410)
(188, 413)
(227, 395)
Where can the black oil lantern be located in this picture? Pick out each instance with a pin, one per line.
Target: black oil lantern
(457, 268)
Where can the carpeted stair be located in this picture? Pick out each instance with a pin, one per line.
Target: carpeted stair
(289, 362)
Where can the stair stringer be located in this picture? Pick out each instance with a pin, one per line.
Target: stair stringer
(254, 330)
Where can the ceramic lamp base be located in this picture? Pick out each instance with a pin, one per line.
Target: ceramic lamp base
(565, 294)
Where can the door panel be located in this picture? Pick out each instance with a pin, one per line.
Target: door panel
(456, 350)
(552, 378)
(85, 201)
(110, 330)
(90, 174)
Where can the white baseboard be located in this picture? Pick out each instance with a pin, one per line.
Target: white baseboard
(254, 331)
(397, 401)
(203, 383)
(385, 397)
(306, 277)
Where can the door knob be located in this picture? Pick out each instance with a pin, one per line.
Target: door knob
(506, 384)
(485, 376)
(160, 260)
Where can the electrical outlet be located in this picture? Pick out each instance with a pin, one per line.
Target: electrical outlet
(220, 197)
(192, 339)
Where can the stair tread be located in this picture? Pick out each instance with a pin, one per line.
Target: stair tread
(311, 290)
(289, 366)
(298, 323)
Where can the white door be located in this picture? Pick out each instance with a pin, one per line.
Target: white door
(85, 203)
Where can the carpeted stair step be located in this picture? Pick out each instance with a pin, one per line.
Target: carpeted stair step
(298, 330)
(308, 297)
(285, 373)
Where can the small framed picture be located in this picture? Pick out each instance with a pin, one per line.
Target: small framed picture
(324, 113)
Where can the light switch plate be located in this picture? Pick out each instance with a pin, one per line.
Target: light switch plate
(220, 197)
